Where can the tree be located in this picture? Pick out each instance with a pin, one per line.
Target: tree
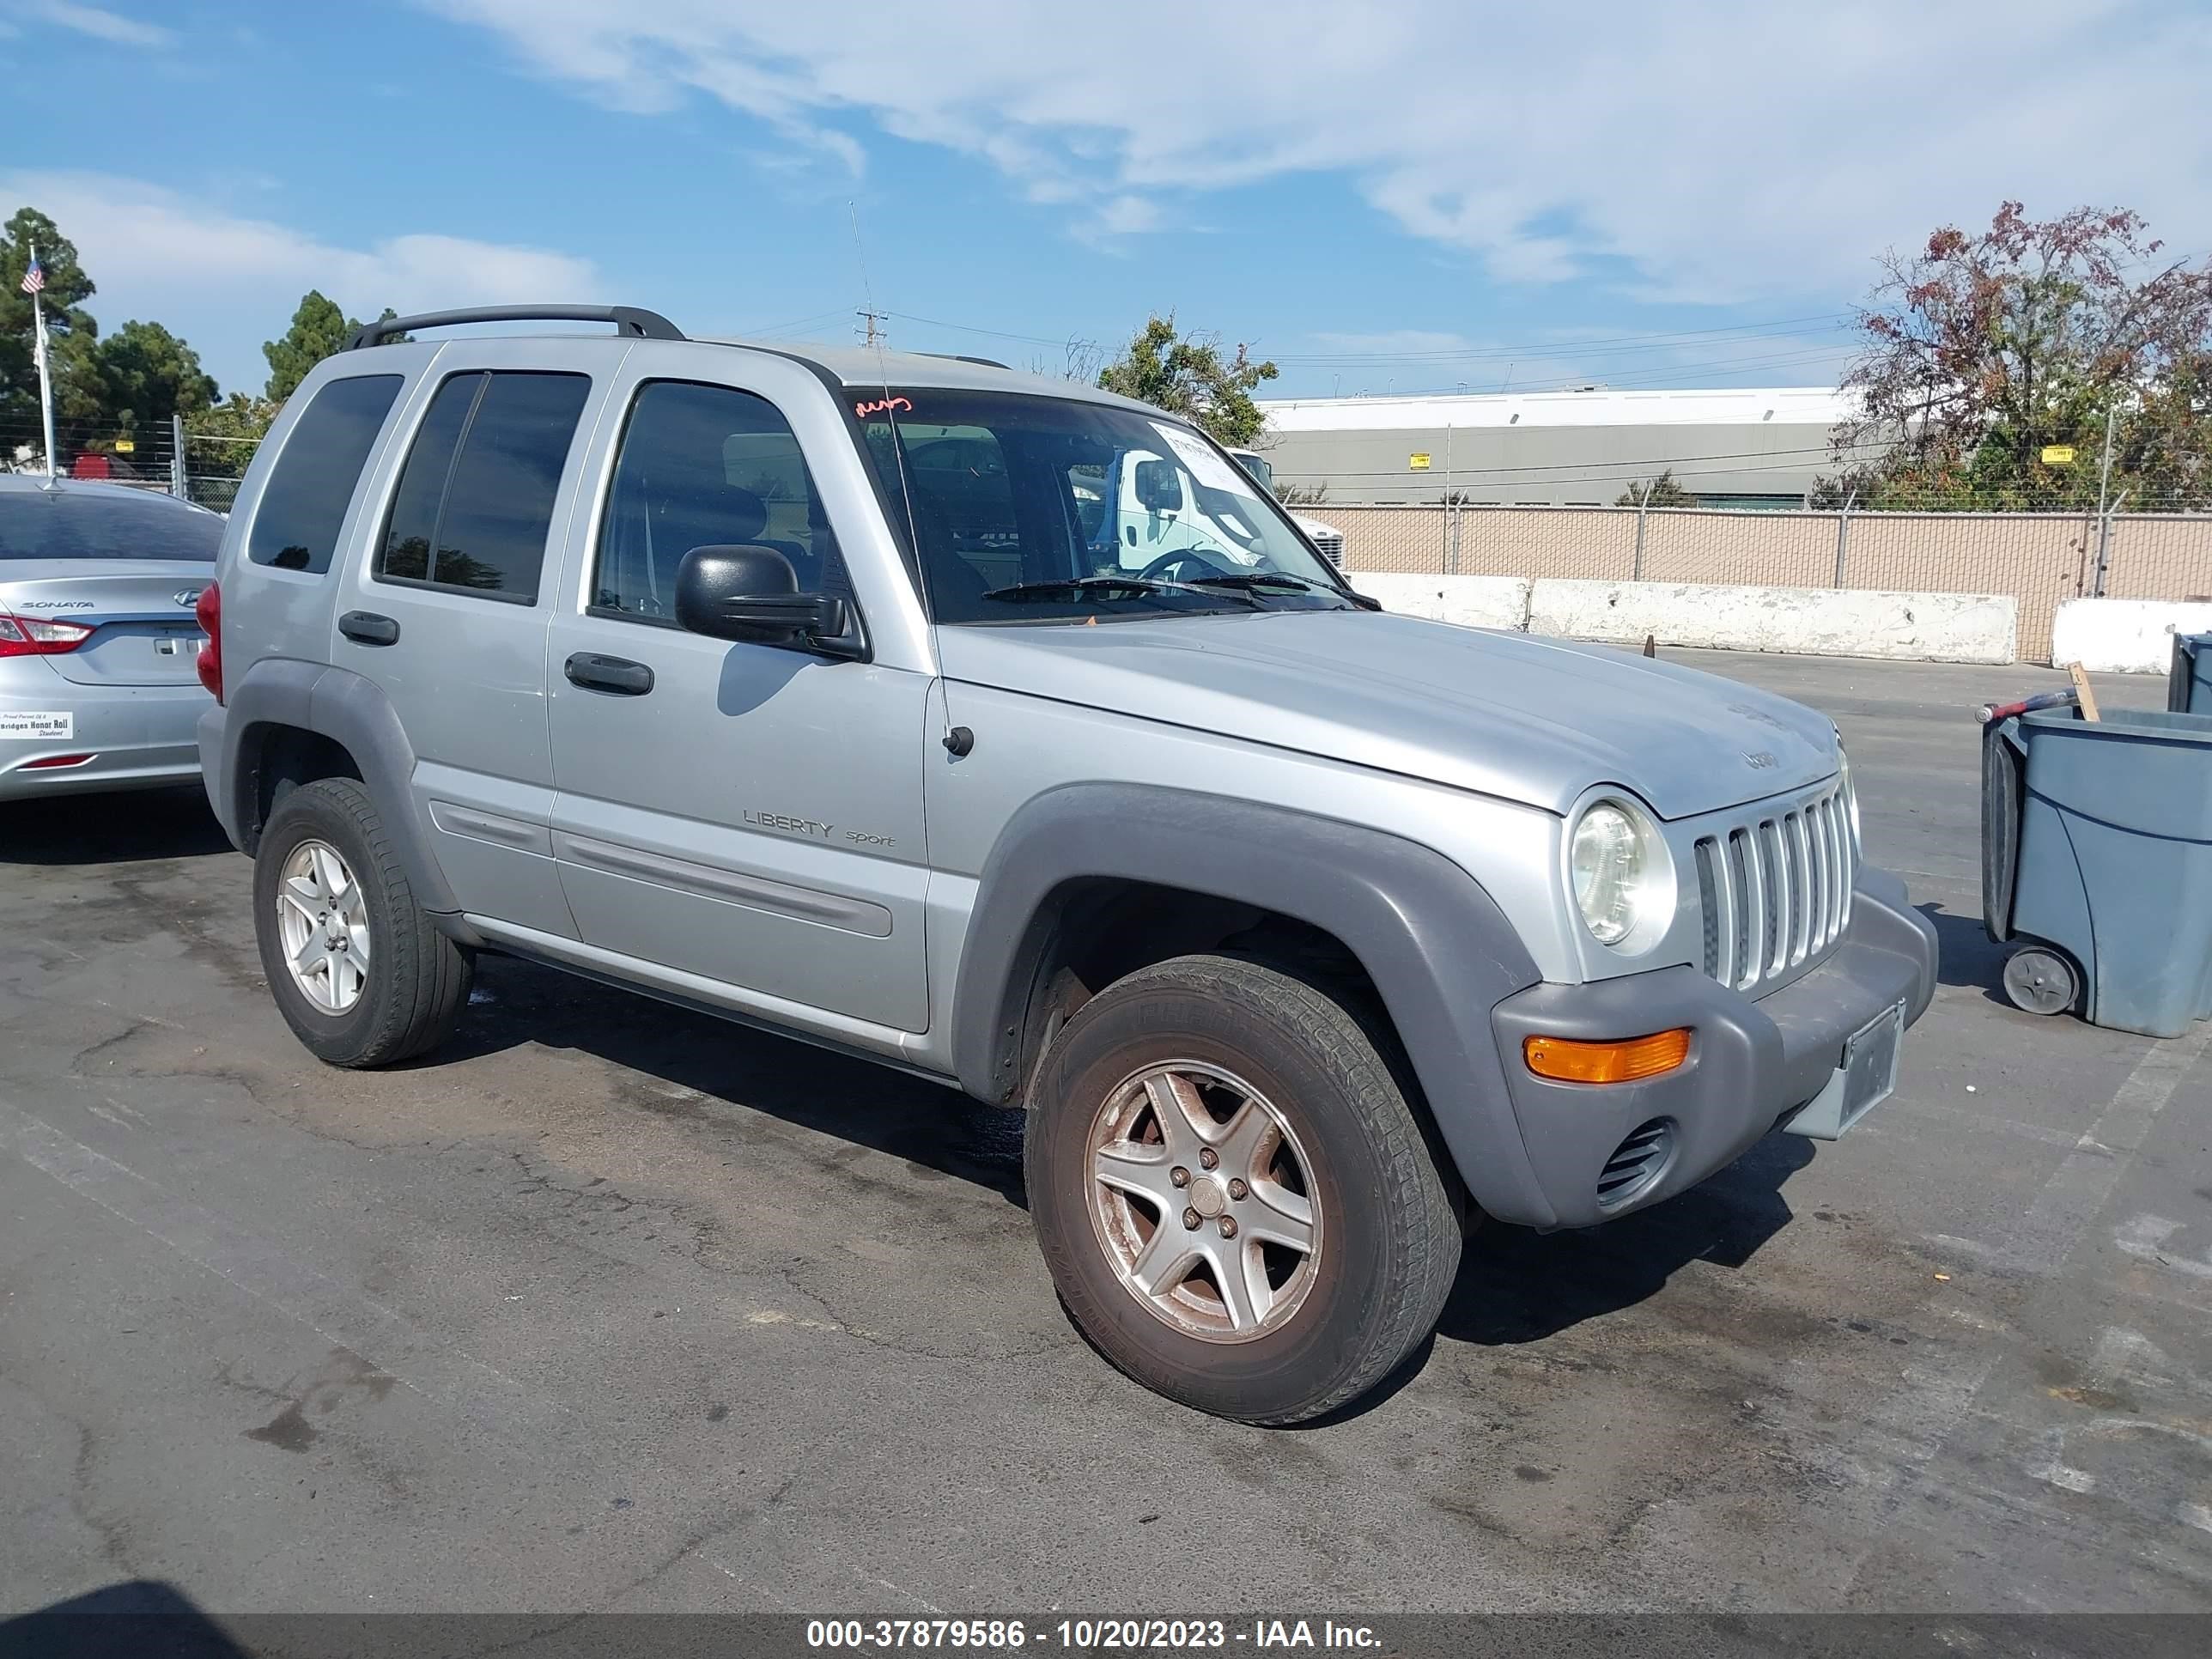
(1661, 491)
(1186, 374)
(72, 337)
(318, 328)
(148, 375)
(1982, 353)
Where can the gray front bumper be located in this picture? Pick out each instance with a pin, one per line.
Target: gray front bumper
(1751, 1063)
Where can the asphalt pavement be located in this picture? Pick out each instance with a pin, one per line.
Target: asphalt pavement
(609, 1306)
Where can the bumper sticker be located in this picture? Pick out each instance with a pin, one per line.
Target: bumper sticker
(36, 726)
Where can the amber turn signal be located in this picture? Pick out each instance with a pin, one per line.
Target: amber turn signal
(1570, 1061)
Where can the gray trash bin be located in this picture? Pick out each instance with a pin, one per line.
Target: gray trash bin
(2189, 686)
(2097, 854)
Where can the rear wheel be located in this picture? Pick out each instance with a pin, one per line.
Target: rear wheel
(357, 970)
(2040, 980)
(1235, 1200)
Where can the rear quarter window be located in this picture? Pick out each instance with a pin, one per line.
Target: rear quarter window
(304, 503)
(63, 523)
(475, 500)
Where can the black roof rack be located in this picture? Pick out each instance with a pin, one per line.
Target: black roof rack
(962, 357)
(629, 322)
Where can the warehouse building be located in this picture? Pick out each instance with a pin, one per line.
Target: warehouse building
(1729, 447)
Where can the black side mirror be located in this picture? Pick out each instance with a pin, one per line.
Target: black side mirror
(751, 594)
(1159, 490)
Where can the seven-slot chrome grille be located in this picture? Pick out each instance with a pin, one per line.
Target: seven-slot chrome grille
(1776, 890)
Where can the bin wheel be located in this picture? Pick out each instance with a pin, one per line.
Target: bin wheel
(2040, 981)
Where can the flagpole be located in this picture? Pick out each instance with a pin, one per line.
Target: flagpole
(45, 380)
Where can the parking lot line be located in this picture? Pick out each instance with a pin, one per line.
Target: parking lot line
(2079, 1188)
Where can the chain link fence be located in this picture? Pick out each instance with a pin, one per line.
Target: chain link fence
(202, 469)
(2038, 558)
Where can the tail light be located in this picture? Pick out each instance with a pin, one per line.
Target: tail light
(208, 613)
(39, 636)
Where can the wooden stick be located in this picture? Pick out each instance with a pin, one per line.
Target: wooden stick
(2088, 698)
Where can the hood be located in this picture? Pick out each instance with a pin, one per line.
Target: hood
(1524, 719)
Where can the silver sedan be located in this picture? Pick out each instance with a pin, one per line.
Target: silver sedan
(100, 686)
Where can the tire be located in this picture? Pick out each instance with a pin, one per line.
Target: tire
(1385, 1243)
(416, 980)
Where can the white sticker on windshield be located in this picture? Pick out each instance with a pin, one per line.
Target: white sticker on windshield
(61, 724)
(1208, 468)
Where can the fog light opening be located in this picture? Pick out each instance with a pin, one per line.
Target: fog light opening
(1567, 1060)
(1637, 1164)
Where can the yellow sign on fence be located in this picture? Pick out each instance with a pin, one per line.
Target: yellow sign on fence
(2059, 454)
(1417, 461)
(124, 446)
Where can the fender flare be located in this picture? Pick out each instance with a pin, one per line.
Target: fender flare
(1437, 948)
(352, 713)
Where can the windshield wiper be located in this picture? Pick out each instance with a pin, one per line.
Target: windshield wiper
(1251, 582)
(1086, 586)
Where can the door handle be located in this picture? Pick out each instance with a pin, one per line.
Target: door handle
(616, 674)
(368, 628)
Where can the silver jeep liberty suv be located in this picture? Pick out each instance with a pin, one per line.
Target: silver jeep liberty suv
(1009, 733)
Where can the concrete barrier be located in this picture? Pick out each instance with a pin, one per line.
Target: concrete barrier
(2124, 636)
(1819, 622)
(1470, 601)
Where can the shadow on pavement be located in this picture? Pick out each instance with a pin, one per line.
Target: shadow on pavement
(1968, 958)
(736, 1067)
(127, 827)
(1515, 1285)
(127, 1620)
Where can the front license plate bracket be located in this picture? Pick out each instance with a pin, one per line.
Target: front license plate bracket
(1864, 1079)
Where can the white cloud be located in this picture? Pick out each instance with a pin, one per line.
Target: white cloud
(1713, 149)
(99, 24)
(226, 282)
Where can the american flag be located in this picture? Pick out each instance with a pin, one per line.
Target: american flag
(35, 278)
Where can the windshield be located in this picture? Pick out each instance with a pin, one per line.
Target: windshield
(65, 524)
(1028, 509)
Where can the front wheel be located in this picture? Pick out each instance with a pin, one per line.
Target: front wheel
(1232, 1194)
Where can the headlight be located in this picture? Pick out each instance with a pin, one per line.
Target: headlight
(1622, 875)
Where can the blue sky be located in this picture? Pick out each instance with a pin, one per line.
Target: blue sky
(1400, 199)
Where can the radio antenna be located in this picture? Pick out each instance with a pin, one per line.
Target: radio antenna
(906, 489)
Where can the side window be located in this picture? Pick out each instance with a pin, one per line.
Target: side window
(303, 502)
(475, 498)
(706, 466)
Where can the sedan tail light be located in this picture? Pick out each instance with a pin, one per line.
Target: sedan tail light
(208, 614)
(39, 636)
